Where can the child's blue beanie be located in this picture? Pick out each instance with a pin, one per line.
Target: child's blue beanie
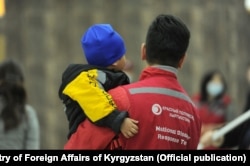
(102, 45)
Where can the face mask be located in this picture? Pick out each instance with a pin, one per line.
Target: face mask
(214, 89)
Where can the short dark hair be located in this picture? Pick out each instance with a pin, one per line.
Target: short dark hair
(167, 40)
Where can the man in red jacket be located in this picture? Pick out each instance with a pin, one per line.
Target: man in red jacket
(167, 117)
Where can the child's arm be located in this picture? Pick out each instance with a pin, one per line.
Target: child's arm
(95, 102)
(118, 121)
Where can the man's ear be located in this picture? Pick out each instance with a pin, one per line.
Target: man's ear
(181, 62)
(143, 51)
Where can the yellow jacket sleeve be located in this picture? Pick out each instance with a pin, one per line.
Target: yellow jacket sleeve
(90, 95)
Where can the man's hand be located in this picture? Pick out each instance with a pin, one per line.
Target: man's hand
(206, 139)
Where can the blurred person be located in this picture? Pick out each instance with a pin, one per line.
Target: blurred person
(19, 126)
(85, 86)
(167, 117)
(213, 103)
(239, 137)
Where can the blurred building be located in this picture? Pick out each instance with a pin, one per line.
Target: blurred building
(44, 35)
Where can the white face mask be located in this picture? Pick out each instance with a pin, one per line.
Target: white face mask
(214, 89)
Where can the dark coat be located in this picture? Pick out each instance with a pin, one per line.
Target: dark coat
(75, 114)
(240, 136)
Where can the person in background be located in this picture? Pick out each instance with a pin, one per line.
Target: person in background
(19, 125)
(239, 137)
(213, 103)
(167, 117)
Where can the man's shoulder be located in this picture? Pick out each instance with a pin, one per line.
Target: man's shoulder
(120, 97)
(123, 90)
(119, 89)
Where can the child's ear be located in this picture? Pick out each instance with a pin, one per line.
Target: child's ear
(143, 51)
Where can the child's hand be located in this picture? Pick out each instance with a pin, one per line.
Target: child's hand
(129, 127)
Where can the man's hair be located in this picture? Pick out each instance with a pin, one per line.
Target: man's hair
(166, 41)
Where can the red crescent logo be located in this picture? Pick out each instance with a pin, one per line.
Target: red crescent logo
(156, 109)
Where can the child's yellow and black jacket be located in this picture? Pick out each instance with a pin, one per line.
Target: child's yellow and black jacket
(84, 93)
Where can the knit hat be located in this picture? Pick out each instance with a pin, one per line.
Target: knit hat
(102, 45)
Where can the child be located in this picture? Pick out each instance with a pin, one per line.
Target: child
(85, 87)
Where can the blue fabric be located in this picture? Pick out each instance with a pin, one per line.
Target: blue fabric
(102, 45)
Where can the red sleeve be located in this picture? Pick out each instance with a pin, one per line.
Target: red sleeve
(120, 98)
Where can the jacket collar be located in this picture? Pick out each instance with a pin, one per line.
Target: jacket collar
(159, 70)
(167, 68)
